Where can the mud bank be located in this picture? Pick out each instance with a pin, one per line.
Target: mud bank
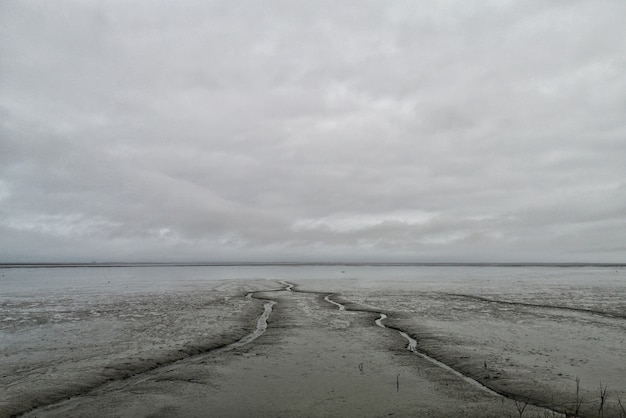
(286, 347)
(313, 359)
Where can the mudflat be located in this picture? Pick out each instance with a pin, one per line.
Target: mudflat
(389, 342)
(314, 359)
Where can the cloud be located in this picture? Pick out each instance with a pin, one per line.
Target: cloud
(276, 130)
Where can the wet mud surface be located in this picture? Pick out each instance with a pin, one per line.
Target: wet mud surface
(314, 348)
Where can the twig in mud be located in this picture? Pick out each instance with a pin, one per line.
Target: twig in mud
(602, 399)
(398, 383)
(488, 375)
(622, 413)
(579, 400)
(520, 406)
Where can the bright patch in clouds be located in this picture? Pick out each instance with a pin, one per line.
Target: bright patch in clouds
(351, 222)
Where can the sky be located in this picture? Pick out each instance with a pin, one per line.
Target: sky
(362, 131)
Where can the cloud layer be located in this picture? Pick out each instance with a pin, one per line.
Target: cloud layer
(362, 131)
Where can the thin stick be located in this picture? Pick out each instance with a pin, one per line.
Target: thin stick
(579, 400)
(521, 406)
(602, 399)
(619, 401)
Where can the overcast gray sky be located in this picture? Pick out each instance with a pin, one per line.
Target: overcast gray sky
(319, 130)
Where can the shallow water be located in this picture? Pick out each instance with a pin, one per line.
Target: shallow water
(115, 280)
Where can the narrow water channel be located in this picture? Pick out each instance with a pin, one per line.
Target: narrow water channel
(261, 326)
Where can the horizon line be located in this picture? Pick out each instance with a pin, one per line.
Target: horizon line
(304, 263)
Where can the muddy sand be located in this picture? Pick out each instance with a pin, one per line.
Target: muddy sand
(281, 349)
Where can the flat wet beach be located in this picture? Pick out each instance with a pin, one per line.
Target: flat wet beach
(313, 347)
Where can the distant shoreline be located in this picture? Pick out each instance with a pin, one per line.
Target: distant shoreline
(299, 264)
